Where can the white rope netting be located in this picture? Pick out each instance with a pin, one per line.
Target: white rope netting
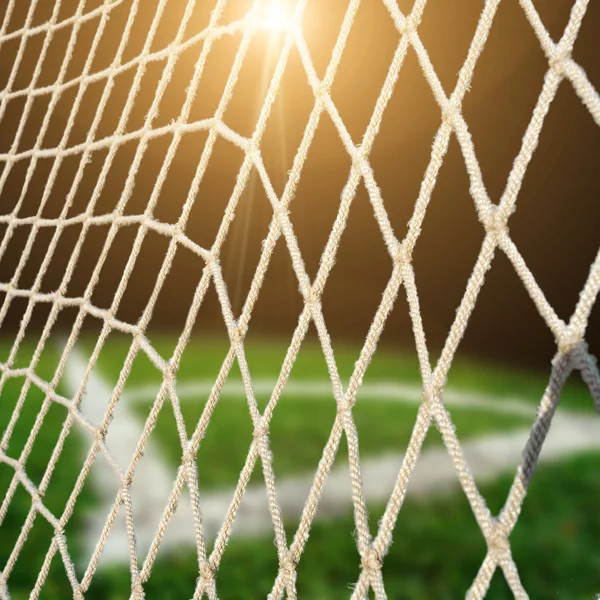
(572, 353)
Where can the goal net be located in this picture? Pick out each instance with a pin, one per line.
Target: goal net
(137, 48)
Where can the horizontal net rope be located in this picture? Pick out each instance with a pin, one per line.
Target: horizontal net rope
(572, 352)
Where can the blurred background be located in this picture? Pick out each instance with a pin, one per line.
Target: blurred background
(555, 225)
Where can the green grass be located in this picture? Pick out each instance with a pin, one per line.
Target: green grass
(438, 547)
(203, 358)
(299, 431)
(60, 486)
(436, 553)
(301, 425)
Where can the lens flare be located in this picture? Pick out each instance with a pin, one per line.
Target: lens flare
(276, 17)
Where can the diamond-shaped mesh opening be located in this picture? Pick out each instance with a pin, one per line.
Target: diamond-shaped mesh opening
(31, 557)
(286, 125)
(171, 581)
(44, 12)
(111, 271)
(68, 9)
(506, 85)
(316, 573)
(85, 116)
(113, 111)
(31, 122)
(186, 270)
(30, 195)
(325, 173)
(140, 195)
(352, 259)
(63, 176)
(322, 25)
(373, 44)
(517, 317)
(409, 125)
(419, 531)
(450, 252)
(446, 31)
(112, 38)
(499, 588)
(218, 182)
(554, 16)
(15, 20)
(218, 469)
(252, 83)
(57, 46)
(14, 392)
(242, 249)
(89, 250)
(23, 74)
(187, 441)
(275, 313)
(11, 113)
(594, 319)
(583, 52)
(565, 510)
(89, 34)
(149, 86)
(144, 278)
(569, 122)
(87, 168)
(216, 64)
(145, 23)
(15, 308)
(61, 123)
(8, 52)
(296, 441)
(33, 257)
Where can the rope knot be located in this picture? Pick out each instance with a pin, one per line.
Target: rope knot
(450, 113)
(252, 150)
(403, 255)
(496, 222)
(569, 341)
(177, 125)
(359, 159)
(559, 59)
(100, 436)
(188, 458)
(288, 565)
(36, 500)
(498, 542)
(409, 27)
(311, 299)
(345, 406)
(236, 335)
(210, 259)
(371, 562)
(138, 590)
(322, 90)
(170, 371)
(261, 431)
(207, 571)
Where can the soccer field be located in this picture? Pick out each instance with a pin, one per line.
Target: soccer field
(437, 548)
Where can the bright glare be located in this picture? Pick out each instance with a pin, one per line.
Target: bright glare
(277, 17)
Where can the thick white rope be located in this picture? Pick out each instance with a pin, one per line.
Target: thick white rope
(572, 352)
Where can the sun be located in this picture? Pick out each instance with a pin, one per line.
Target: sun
(277, 17)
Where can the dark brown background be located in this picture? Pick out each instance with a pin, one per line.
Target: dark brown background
(556, 225)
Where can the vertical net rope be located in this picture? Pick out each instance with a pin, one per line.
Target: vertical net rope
(572, 353)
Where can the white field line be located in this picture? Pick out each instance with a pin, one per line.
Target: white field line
(153, 477)
(382, 391)
(488, 457)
